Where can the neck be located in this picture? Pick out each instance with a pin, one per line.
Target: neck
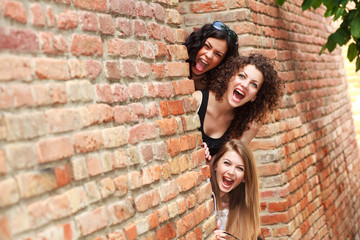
(224, 200)
(222, 107)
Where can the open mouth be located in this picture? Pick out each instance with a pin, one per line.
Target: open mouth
(201, 65)
(238, 95)
(227, 182)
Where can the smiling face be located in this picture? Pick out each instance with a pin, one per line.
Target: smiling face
(244, 86)
(209, 56)
(230, 171)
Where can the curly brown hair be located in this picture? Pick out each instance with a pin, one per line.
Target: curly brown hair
(267, 97)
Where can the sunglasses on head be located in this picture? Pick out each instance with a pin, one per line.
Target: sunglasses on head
(222, 27)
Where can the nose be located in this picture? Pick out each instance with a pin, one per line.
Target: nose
(209, 54)
(231, 170)
(246, 83)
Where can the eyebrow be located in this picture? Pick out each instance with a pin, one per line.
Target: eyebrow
(257, 81)
(232, 162)
(212, 46)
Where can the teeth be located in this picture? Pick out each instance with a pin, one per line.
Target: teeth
(227, 179)
(204, 62)
(239, 92)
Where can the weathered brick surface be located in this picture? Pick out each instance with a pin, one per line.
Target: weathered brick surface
(98, 128)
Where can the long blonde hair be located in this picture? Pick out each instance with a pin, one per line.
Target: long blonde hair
(244, 206)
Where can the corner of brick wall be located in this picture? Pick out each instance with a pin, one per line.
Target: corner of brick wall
(98, 128)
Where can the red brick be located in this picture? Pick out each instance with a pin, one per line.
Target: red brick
(169, 191)
(115, 137)
(6, 97)
(122, 114)
(59, 206)
(100, 113)
(68, 19)
(144, 10)
(168, 34)
(125, 7)
(121, 184)
(38, 16)
(50, 17)
(9, 192)
(166, 232)
(191, 201)
(62, 174)
(58, 93)
(167, 126)
(61, 120)
(147, 153)
(121, 159)
(14, 10)
(36, 182)
(21, 40)
(123, 48)
(107, 25)
(177, 52)
(96, 5)
(154, 30)
(107, 187)
(53, 44)
(26, 125)
(39, 212)
(144, 69)
(15, 68)
(22, 95)
(49, 68)
(129, 69)
(20, 155)
(183, 87)
(89, 21)
(135, 180)
(104, 93)
(218, 5)
(123, 25)
(120, 211)
(93, 68)
(173, 16)
(203, 193)
(147, 200)
(120, 93)
(153, 220)
(86, 45)
(159, 12)
(161, 49)
(4, 228)
(94, 165)
(274, 218)
(77, 68)
(176, 69)
(112, 70)
(152, 110)
(173, 146)
(187, 181)
(165, 171)
(53, 149)
(90, 222)
(131, 231)
(87, 141)
(2, 162)
(142, 132)
(118, 235)
(269, 169)
(140, 29)
(158, 70)
(137, 111)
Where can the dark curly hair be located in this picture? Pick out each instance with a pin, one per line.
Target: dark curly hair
(197, 39)
(267, 97)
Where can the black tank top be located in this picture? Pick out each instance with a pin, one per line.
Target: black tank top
(213, 143)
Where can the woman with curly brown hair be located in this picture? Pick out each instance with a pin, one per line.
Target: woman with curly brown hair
(208, 47)
(243, 90)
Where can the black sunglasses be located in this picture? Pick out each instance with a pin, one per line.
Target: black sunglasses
(222, 27)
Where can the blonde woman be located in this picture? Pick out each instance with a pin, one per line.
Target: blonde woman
(236, 192)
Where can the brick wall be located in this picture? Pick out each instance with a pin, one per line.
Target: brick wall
(98, 134)
(307, 154)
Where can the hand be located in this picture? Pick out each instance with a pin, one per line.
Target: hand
(220, 234)
(249, 134)
(207, 152)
